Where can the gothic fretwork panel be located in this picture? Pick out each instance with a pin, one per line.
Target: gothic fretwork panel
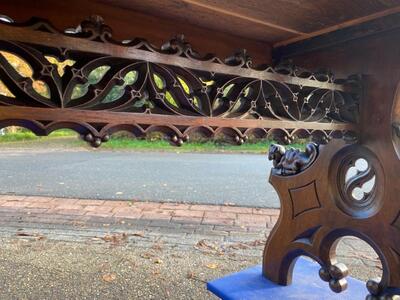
(85, 70)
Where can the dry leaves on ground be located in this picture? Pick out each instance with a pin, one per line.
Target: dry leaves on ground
(256, 243)
(78, 224)
(36, 236)
(158, 246)
(139, 234)
(109, 277)
(238, 246)
(247, 245)
(115, 239)
(212, 266)
(209, 247)
(147, 255)
(23, 234)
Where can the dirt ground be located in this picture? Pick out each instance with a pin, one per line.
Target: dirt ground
(59, 270)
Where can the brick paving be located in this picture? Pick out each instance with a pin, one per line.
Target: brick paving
(171, 212)
(217, 228)
(207, 228)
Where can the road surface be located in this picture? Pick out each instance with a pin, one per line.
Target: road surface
(239, 179)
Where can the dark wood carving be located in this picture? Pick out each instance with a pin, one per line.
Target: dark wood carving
(291, 161)
(374, 214)
(176, 90)
(172, 89)
(319, 205)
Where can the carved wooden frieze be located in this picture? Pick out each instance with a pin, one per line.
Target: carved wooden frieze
(97, 85)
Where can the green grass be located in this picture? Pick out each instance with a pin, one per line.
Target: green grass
(122, 143)
(25, 135)
(69, 139)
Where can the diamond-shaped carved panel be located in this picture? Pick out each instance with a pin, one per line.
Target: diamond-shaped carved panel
(304, 199)
(396, 222)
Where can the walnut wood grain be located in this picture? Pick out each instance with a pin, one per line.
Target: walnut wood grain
(316, 210)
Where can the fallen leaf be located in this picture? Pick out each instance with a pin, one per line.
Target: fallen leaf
(176, 255)
(158, 261)
(40, 237)
(239, 246)
(78, 223)
(247, 245)
(109, 277)
(212, 266)
(115, 239)
(256, 243)
(147, 255)
(157, 246)
(23, 234)
(207, 246)
(140, 234)
(107, 238)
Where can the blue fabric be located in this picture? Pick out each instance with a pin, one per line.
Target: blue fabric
(249, 284)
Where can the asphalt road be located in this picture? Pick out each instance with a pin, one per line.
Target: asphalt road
(240, 179)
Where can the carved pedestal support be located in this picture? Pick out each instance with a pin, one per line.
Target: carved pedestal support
(322, 203)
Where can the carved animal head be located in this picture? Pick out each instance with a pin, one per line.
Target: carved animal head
(275, 153)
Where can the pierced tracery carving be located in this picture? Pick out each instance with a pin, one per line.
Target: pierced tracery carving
(178, 91)
(173, 80)
(168, 89)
